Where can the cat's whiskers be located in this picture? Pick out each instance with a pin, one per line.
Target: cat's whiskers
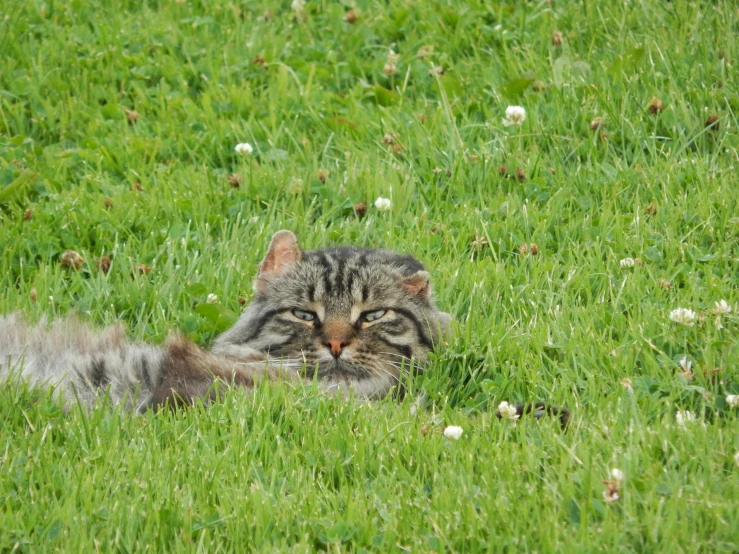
(390, 361)
(381, 370)
(393, 354)
(405, 360)
(380, 366)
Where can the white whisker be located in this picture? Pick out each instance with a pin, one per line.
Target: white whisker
(393, 354)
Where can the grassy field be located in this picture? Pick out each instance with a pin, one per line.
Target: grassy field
(118, 127)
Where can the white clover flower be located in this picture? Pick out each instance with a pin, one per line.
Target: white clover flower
(681, 418)
(617, 475)
(514, 115)
(212, 299)
(736, 458)
(683, 316)
(732, 400)
(453, 432)
(613, 485)
(244, 148)
(391, 67)
(383, 204)
(627, 263)
(686, 368)
(626, 384)
(298, 7)
(721, 307)
(507, 411)
(418, 404)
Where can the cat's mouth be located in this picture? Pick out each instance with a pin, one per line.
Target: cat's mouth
(341, 368)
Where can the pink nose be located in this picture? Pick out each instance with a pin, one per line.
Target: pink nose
(336, 346)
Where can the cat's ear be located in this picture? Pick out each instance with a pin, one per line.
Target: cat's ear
(283, 252)
(417, 284)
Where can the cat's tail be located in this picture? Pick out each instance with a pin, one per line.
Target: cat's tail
(83, 364)
(538, 409)
(80, 363)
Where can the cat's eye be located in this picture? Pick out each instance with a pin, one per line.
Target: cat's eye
(305, 316)
(373, 316)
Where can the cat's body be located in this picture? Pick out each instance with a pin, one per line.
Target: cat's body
(352, 318)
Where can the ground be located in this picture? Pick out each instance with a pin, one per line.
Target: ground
(561, 244)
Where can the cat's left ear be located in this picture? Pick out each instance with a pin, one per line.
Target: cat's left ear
(417, 284)
(283, 252)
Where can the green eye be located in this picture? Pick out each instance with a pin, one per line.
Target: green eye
(305, 316)
(373, 316)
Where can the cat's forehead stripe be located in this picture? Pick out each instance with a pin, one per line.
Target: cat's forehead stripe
(325, 264)
(346, 275)
(334, 272)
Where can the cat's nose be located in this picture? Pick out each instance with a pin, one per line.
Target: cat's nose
(336, 345)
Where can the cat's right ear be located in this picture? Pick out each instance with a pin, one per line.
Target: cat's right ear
(283, 252)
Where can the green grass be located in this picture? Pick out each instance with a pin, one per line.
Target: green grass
(291, 469)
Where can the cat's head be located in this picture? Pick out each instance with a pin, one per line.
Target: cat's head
(356, 316)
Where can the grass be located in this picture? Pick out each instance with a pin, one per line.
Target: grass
(291, 469)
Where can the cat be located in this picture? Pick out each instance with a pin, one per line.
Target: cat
(352, 318)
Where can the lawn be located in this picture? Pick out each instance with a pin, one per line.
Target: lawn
(561, 245)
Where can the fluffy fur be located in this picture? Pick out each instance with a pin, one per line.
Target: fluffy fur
(353, 317)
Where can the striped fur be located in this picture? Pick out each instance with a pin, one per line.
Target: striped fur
(354, 318)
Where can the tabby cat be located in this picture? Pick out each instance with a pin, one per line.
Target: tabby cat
(353, 318)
